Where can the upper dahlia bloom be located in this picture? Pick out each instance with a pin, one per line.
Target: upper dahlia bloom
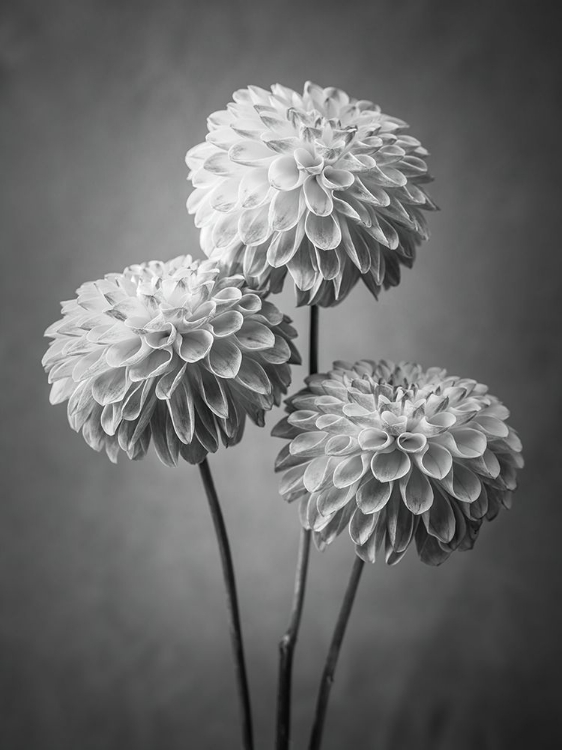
(319, 184)
(173, 351)
(397, 453)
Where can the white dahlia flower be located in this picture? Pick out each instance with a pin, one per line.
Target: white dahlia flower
(396, 453)
(321, 185)
(171, 351)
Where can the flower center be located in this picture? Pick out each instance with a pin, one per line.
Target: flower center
(324, 139)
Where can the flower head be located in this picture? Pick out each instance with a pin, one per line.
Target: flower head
(173, 351)
(397, 453)
(321, 185)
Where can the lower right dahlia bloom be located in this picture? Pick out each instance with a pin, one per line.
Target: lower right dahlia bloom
(397, 453)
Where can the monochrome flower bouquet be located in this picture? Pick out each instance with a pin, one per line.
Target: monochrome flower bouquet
(327, 190)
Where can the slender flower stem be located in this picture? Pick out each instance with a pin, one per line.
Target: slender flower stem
(332, 660)
(289, 640)
(232, 606)
(287, 646)
(313, 346)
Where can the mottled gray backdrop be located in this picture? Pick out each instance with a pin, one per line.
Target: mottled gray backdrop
(112, 619)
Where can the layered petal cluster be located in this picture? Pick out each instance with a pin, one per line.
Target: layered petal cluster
(171, 351)
(396, 454)
(318, 184)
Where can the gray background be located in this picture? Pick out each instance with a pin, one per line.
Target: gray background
(112, 620)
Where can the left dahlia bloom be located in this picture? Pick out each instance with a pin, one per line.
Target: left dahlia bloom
(397, 454)
(171, 351)
(318, 184)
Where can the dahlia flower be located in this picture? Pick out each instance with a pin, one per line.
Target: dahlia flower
(321, 185)
(174, 351)
(396, 453)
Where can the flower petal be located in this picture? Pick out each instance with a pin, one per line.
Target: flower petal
(253, 376)
(218, 163)
(470, 443)
(462, 484)
(254, 188)
(227, 296)
(111, 417)
(284, 246)
(292, 480)
(304, 419)
(383, 231)
(154, 364)
(180, 406)
(314, 519)
(195, 345)
(440, 519)
(308, 161)
(492, 426)
(389, 466)
(318, 199)
(118, 354)
(223, 137)
(136, 400)
(301, 268)
(332, 499)
(357, 248)
(281, 145)
(328, 263)
(277, 354)
(214, 393)
(479, 507)
(224, 196)
(362, 526)
(341, 445)
(164, 388)
(411, 442)
(225, 229)
(253, 225)
(250, 153)
(373, 495)
(164, 436)
(368, 551)
(224, 358)
(400, 523)
(285, 210)
(487, 465)
(337, 179)
(429, 549)
(110, 386)
(284, 174)
(436, 462)
(317, 471)
(373, 439)
(323, 231)
(416, 492)
(336, 424)
(437, 424)
(61, 390)
(89, 365)
(307, 441)
(254, 336)
(227, 323)
(348, 471)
